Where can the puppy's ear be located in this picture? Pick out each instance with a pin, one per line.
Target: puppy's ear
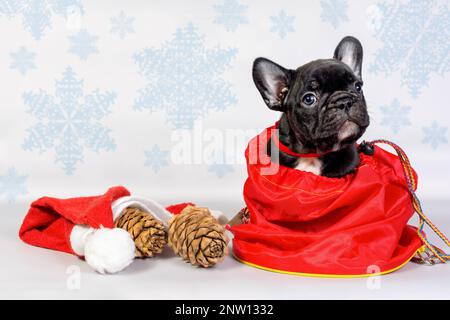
(350, 52)
(272, 81)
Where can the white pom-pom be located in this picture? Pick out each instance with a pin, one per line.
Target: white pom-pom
(109, 250)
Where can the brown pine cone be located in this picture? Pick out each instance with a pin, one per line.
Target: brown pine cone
(197, 237)
(147, 232)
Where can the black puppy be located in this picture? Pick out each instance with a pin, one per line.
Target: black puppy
(324, 110)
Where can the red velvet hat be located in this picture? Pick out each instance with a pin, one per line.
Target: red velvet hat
(84, 226)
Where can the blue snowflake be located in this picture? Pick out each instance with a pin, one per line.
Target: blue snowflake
(37, 14)
(69, 122)
(415, 37)
(83, 44)
(218, 163)
(230, 14)
(122, 25)
(22, 60)
(435, 135)
(220, 169)
(12, 185)
(184, 78)
(156, 158)
(395, 116)
(282, 24)
(334, 11)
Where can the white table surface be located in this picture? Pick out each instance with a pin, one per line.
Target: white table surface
(31, 272)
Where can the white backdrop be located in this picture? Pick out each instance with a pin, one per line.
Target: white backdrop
(150, 67)
(93, 94)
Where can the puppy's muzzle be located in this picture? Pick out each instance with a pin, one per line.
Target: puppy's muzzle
(342, 100)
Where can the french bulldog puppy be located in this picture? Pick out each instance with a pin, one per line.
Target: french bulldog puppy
(323, 109)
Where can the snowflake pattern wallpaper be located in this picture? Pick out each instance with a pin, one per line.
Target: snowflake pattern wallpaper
(100, 93)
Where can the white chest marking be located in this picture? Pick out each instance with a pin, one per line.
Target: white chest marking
(312, 165)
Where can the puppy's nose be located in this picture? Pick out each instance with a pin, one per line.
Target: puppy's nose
(343, 100)
(344, 103)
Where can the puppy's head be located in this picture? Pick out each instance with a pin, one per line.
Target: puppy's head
(323, 100)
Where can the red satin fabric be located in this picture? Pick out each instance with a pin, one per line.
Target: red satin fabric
(301, 222)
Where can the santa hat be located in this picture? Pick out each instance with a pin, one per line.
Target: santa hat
(84, 226)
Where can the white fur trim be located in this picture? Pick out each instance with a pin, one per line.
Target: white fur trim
(142, 203)
(78, 238)
(109, 250)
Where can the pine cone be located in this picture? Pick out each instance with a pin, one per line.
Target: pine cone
(147, 232)
(197, 237)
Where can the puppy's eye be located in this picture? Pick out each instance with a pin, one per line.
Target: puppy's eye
(309, 99)
(358, 86)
